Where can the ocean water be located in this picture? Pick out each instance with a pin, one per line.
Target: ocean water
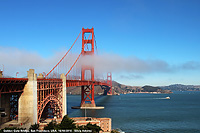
(146, 113)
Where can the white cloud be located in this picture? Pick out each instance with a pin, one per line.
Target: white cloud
(118, 64)
(17, 60)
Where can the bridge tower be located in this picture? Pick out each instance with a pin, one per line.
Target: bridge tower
(87, 92)
(109, 82)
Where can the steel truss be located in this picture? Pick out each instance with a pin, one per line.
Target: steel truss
(49, 94)
(14, 106)
(12, 85)
(86, 94)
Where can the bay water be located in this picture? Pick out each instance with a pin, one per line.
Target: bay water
(146, 113)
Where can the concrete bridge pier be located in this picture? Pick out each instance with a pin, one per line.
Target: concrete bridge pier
(27, 109)
(64, 93)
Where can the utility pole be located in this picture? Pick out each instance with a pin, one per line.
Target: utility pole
(16, 74)
(3, 70)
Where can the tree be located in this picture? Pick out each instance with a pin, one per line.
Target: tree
(51, 125)
(34, 127)
(67, 123)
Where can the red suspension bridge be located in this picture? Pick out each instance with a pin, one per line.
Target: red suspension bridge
(45, 95)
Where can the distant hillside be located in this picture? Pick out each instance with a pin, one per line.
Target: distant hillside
(124, 89)
(150, 89)
(121, 89)
(180, 87)
(154, 89)
(117, 88)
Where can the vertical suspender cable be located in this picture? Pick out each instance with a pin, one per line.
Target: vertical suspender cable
(64, 55)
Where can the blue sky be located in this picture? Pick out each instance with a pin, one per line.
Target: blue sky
(165, 35)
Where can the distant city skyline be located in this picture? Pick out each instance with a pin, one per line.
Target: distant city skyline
(145, 42)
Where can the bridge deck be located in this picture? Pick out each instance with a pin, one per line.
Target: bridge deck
(12, 85)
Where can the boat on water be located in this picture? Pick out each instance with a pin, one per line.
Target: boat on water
(167, 97)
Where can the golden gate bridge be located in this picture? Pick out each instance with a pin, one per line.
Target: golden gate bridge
(30, 99)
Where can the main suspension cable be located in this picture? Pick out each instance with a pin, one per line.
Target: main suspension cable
(77, 58)
(63, 56)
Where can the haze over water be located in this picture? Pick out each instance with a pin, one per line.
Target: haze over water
(144, 113)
